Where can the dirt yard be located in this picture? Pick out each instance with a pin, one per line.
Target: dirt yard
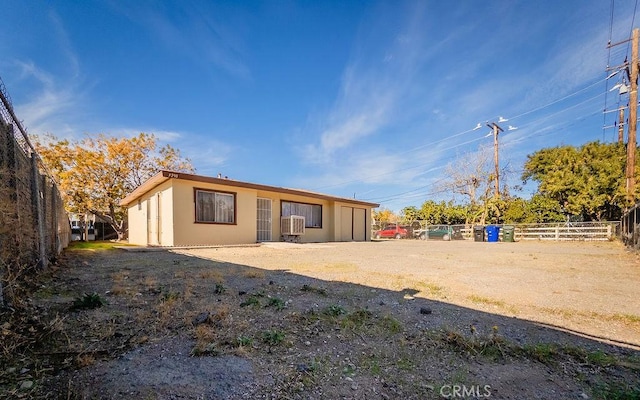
(378, 320)
(591, 288)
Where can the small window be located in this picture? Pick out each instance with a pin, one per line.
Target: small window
(312, 213)
(215, 207)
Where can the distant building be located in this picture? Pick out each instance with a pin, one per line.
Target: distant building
(176, 209)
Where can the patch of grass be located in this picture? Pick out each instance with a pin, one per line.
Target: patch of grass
(205, 341)
(357, 319)
(617, 391)
(485, 300)
(88, 302)
(97, 245)
(334, 310)
(250, 301)
(626, 318)
(492, 302)
(390, 324)
(543, 352)
(273, 337)
(208, 349)
(254, 273)
(601, 358)
(170, 296)
(349, 370)
(372, 363)
(596, 358)
(47, 292)
(243, 341)
(219, 288)
(339, 267)
(320, 291)
(492, 347)
(405, 364)
(212, 274)
(276, 303)
(431, 288)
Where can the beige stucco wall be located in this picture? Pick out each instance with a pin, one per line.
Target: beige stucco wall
(311, 235)
(178, 227)
(137, 222)
(189, 233)
(145, 228)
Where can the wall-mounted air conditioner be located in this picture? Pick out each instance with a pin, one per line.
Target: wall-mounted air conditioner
(292, 225)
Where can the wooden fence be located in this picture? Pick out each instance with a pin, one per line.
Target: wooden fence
(582, 231)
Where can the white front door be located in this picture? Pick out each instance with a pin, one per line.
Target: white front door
(264, 223)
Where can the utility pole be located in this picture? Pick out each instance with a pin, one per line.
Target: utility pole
(633, 116)
(496, 130)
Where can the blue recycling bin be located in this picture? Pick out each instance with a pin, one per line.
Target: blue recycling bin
(492, 233)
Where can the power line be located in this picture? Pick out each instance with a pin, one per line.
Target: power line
(606, 83)
(450, 137)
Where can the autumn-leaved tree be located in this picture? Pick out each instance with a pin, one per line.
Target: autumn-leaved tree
(383, 216)
(95, 173)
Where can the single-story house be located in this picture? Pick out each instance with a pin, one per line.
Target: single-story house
(178, 209)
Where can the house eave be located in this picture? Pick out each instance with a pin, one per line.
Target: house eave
(164, 175)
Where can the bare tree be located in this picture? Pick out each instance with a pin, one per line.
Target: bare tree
(471, 176)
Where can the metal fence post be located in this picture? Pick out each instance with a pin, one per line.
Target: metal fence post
(36, 195)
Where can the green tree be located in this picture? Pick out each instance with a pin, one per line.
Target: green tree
(443, 212)
(410, 214)
(95, 173)
(432, 212)
(538, 209)
(587, 181)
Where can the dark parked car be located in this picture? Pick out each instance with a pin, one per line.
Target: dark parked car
(444, 232)
(392, 231)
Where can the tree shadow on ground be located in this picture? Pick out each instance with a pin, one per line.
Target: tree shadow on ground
(179, 326)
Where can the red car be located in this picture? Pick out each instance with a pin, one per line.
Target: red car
(392, 231)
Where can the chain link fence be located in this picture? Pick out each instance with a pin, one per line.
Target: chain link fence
(560, 231)
(631, 227)
(34, 227)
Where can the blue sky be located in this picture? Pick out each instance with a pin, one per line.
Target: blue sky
(364, 98)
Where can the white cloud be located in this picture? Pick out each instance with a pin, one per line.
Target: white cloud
(193, 32)
(374, 83)
(64, 44)
(50, 105)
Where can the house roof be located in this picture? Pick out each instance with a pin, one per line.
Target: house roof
(164, 176)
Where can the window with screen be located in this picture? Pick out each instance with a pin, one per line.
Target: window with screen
(312, 213)
(215, 207)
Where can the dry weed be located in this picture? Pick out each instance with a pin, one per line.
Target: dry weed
(212, 274)
(150, 282)
(84, 360)
(254, 273)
